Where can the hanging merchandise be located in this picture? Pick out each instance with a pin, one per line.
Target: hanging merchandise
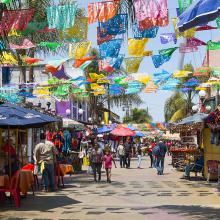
(79, 50)
(132, 64)
(50, 45)
(8, 58)
(110, 48)
(60, 74)
(79, 62)
(151, 13)
(61, 16)
(168, 37)
(102, 11)
(116, 25)
(192, 82)
(76, 33)
(27, 44)
(187, 34)
(15, 19)
(185, 48)
(213, 45)
(101, 40)
(181, 73)
(195, 42)
(184, 4)
(136, 47)
(148, 33)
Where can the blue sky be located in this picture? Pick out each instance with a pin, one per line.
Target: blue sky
(155, 101)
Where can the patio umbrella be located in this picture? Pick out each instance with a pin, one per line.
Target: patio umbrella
(139, 134)
(199, 13)
(105, 129)
(122, 131)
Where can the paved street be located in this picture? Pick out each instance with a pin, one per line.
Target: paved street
(133, 194)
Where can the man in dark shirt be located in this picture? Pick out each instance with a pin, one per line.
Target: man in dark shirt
(127, 146)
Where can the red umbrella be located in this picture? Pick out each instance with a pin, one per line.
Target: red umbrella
(122, 131)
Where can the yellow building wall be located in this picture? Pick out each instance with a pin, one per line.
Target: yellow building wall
(211, 152)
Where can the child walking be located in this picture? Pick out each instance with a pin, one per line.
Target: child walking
(108, 158)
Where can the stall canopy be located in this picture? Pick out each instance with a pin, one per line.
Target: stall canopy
(196, 118)
(139, 134)
(105, 129)
(123, 131)
(70, 123)
(16, 116)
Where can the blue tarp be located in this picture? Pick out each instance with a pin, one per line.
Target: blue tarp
(16, 116)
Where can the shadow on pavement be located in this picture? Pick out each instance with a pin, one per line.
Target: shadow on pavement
(197, 212)
(42, 203)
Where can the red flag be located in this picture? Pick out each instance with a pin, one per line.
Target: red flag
(195, 42)
(205, 28)
(101, 40)
(15, 19)
(79, 62)
(30, 60)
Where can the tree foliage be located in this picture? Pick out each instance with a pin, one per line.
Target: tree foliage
(138, 116)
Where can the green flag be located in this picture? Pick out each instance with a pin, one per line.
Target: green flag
(6, 1)
(218, 22)
(34, 27)
(183, 5)
(168, 51)
(51, 45)
(213, 45)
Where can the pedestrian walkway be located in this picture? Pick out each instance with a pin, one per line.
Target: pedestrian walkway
(133, 194)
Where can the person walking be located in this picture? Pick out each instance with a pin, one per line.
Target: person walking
(139, 155)
(107, 159)
(45, 155)
(161, 157)
(121, 154)
(150, 154)
(96, 156)
(127, 153)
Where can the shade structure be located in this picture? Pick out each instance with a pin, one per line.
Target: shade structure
(199, 13)
(196, 118)
(131, 127)
(105, 129)
(123, 131)
(16, 116)
(70, 123)
(139, 134)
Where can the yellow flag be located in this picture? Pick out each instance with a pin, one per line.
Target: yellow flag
(78, 31)
(7, 58)
(103, 81)
(79, 50)
(95, 76)
(187, 34)
(101, 92)
(95, 86)
(144, 79)
(181, 73)
(13, 33)
(132, 64)
(136, 47)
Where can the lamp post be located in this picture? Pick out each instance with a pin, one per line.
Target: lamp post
(68, 112)
(80, 111)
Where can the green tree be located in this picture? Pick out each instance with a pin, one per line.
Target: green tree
(175, 103)
(138, 116)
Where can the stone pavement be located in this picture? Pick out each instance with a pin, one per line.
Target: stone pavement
(133, 194)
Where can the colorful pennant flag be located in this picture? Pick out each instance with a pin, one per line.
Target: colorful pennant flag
(79, 50)
(184, 4)
(132, 64)
(195, 42)
(7, 58)
(27, 44)
(102, 11)
(15, 19)
(181, 73)
(116, 25)
(110, 48)
(192, 82)
(205, 28)
(136, 47)
(218, 22)
(33, 27)
(202, 71)
(61, 74)
(78, 32)
(168, 52)
(159, 60)
(101, 40)
(148, 33)
(184, 48)
(50, 45)
(168, 37)
(61, 16)
(151, 87)
(213, 45)
(79, 62)
(30, 60)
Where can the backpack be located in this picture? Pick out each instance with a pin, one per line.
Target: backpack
(156, 151)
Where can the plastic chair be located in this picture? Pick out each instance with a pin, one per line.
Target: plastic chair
(212, 168)
(13, 190)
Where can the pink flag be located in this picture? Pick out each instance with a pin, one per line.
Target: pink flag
(184, 48)
(27, 44)
(195, 42)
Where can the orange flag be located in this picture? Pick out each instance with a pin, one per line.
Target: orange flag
(79, 62)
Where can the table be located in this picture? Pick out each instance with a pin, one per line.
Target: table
(65, 169)
(26, 180)
(4, 181)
